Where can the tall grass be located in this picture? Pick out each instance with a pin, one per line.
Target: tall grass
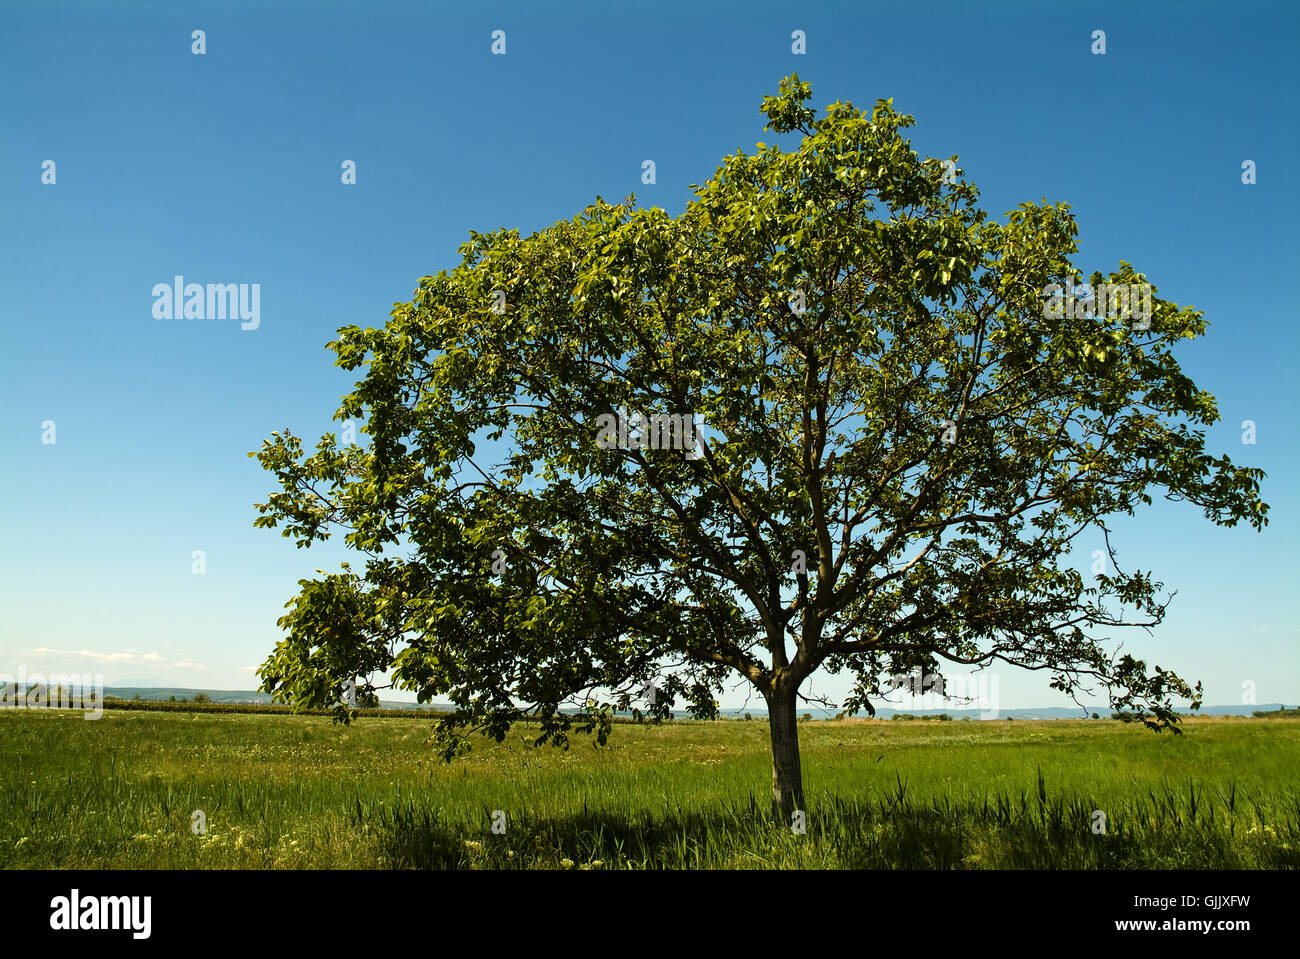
(298, 792)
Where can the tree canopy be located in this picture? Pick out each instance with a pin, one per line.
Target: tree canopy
(903, 420)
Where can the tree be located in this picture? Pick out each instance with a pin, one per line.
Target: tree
(899, 441)
(202, 698)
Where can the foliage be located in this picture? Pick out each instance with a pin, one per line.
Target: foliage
(824, 309)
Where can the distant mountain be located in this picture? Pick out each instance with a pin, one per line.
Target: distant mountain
(164, 693)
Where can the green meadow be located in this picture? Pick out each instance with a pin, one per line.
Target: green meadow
(291, 792)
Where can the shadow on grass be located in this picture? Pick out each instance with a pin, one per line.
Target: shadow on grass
(1026, 831)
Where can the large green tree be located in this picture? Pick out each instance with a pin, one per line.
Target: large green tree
(901, 438)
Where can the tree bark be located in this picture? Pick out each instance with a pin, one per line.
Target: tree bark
(787, 776)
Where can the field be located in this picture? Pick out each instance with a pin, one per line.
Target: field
(298, 792)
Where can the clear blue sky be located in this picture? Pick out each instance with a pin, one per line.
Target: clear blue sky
(225, 168)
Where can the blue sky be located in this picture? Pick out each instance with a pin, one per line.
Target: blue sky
(225, 168)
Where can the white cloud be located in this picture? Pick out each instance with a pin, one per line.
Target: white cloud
(134, 667)
(127, 656)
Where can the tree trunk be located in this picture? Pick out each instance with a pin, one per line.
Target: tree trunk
(787, 777)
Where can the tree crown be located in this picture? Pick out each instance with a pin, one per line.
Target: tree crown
(900, 438)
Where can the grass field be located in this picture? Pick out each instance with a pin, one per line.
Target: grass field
(298, 792)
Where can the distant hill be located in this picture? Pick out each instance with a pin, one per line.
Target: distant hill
(1046, 712)
(165, 693)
